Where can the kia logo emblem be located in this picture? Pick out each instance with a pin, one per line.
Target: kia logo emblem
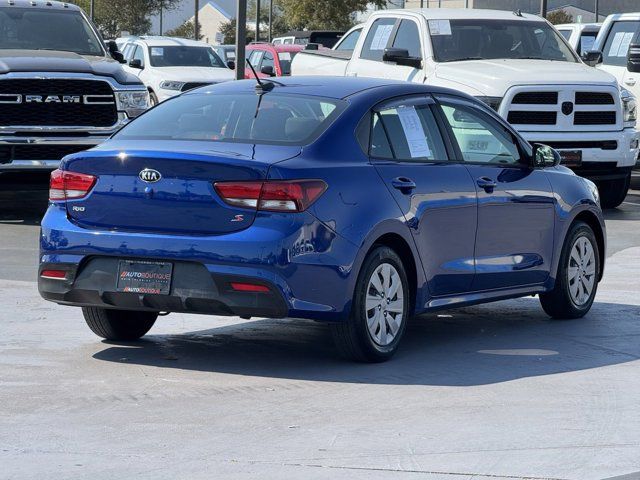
(149, 175)
(567, 108)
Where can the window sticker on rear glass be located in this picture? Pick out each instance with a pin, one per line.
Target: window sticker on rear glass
(439, 27)
(413, 131)
(157, 51)
(381, 37)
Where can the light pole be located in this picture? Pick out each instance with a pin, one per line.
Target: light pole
(196, 26)
(270, 20)
(241, 37)
(596, 11)
(91, 8)
(543, 8)
(257, 39)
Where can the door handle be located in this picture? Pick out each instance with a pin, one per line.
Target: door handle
(404, 184)
(487, 184)
(630, 81)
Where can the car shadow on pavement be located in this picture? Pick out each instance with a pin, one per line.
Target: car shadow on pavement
(472, 346)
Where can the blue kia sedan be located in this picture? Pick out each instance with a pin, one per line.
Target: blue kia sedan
(358, 202)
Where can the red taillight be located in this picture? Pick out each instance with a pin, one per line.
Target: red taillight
(249, 287)
(273, 196)
(65, 185)
(56, 274)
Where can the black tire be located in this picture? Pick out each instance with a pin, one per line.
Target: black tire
(352, 338)
(558, 303)
(613, 192)
(153, 99)
(118, 324)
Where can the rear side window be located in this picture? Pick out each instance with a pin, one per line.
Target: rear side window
(408, 37)
(566, 34)
(407, 133)
(617, 44)
(377, 39)
(242, 118)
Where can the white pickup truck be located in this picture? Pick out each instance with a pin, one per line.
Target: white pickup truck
(515, 62)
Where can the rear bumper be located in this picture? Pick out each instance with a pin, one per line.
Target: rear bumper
(307, 268)
(193, 290)
(620, 148)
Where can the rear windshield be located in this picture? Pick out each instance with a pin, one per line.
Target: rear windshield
(181, 56)
(40, 29)
(242, 118)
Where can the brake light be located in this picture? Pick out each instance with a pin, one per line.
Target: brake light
(272, 196)
(65, 185)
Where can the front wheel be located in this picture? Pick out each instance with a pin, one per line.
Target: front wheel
(118, 324)
(613, 192)
(577, 277)
(379, 310)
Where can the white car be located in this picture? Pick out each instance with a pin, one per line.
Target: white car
(516, 63)
(581, 36)
(169, 66)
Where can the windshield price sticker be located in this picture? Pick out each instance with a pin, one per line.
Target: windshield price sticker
(439, 27)
(620, 45)
(381, 37)
(413, 131)
(157, 51)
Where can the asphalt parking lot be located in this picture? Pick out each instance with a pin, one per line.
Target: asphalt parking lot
(496, 391)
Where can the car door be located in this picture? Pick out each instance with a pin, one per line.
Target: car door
(614, 54)
(255, 57)
(369, 58)
(437, 196)
(514, 238)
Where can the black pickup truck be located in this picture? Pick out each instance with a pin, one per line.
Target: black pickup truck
(62, 88)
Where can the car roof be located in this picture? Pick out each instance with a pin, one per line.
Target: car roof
(41, 4)
(157, 41)
(462, 14)
(277, 48)
(329, 87)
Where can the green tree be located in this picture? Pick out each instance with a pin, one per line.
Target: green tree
(115, 16)
(228, 30)
(186, 30)
(324, 14)
(559, 16)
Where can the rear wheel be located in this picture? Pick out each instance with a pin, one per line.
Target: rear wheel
(613, 192)
(578, 274)
(118, 324)
(379, 310)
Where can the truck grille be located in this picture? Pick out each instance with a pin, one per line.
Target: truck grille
(9, 153)
(57, 102)
(562, 107)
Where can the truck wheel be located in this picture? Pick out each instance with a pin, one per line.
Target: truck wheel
(153, 99)
(118, 324)
(379, 310)
(577, 277)
(613, 192)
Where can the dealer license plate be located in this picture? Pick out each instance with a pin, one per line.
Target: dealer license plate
(136, 276)
(571, 158)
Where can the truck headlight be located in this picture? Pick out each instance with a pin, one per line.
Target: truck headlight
(493, 102)
(172, 85)
(134, 102)
(629, 106)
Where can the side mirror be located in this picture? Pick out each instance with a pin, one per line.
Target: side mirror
(312, 46)
(112, 47)
(136, 63)
(231, 64)
(400, 56)
(633, 58)
(592, 57)
(268, 70)
(545, 156)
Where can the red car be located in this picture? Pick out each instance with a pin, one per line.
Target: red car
(270, 60)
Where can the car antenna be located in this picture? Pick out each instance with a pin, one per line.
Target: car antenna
(261, 87)
(518, 13)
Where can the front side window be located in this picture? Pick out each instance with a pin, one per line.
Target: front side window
(587, 39)
(47, 29)
(457, 40)
(138, 54)
(349, 42)
(617, 44)
(406, 133)
(181, 56)
(267, 60)
(272, 118)
(377, 39)
(480, 138)
(408, 38)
